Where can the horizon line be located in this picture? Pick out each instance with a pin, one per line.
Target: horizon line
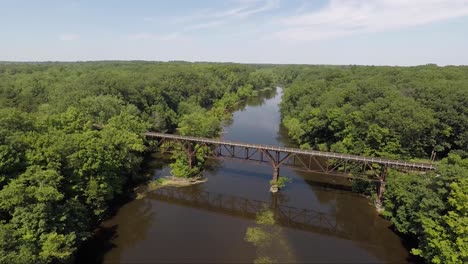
(223, 62)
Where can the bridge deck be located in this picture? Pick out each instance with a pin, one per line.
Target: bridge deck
(332, 155)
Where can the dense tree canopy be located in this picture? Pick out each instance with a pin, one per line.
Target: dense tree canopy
(379, 111)
(394, 112)
(71, 139)
(433, 209)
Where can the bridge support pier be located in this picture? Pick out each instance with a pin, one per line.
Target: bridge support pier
(381, 189)
(274, 182)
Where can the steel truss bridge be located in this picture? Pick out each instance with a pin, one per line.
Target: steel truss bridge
(345, 165)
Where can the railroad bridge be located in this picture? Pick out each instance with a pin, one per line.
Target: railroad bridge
(344, 165)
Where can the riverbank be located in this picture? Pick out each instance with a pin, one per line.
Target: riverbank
(167, 181)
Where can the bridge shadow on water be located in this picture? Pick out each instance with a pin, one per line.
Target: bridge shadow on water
(304, 219)
(291, 218)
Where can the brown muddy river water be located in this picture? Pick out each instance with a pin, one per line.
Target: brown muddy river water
(316, 221)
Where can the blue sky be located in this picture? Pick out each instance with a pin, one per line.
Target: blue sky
(376, 32)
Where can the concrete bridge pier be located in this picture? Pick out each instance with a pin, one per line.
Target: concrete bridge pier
(274, 182)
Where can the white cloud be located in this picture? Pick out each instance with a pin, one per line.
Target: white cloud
(212, 18)
(68, 37)
(207, 18)
(349, 17)
(254, 7)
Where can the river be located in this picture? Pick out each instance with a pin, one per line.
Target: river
(207, 223)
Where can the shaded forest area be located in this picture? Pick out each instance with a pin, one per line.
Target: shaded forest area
(71, 140)
(400, 113)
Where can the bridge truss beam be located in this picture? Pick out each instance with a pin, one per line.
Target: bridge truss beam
(349, 166)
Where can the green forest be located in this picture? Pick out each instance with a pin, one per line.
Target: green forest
(400, 113)
(71, 140)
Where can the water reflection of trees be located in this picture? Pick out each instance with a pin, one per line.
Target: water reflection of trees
(258, 100)
(119, 230)
(356, 216)
(135, 229)
(269, 240)
(213, 165)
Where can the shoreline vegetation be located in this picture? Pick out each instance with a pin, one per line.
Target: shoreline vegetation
(167, 181)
